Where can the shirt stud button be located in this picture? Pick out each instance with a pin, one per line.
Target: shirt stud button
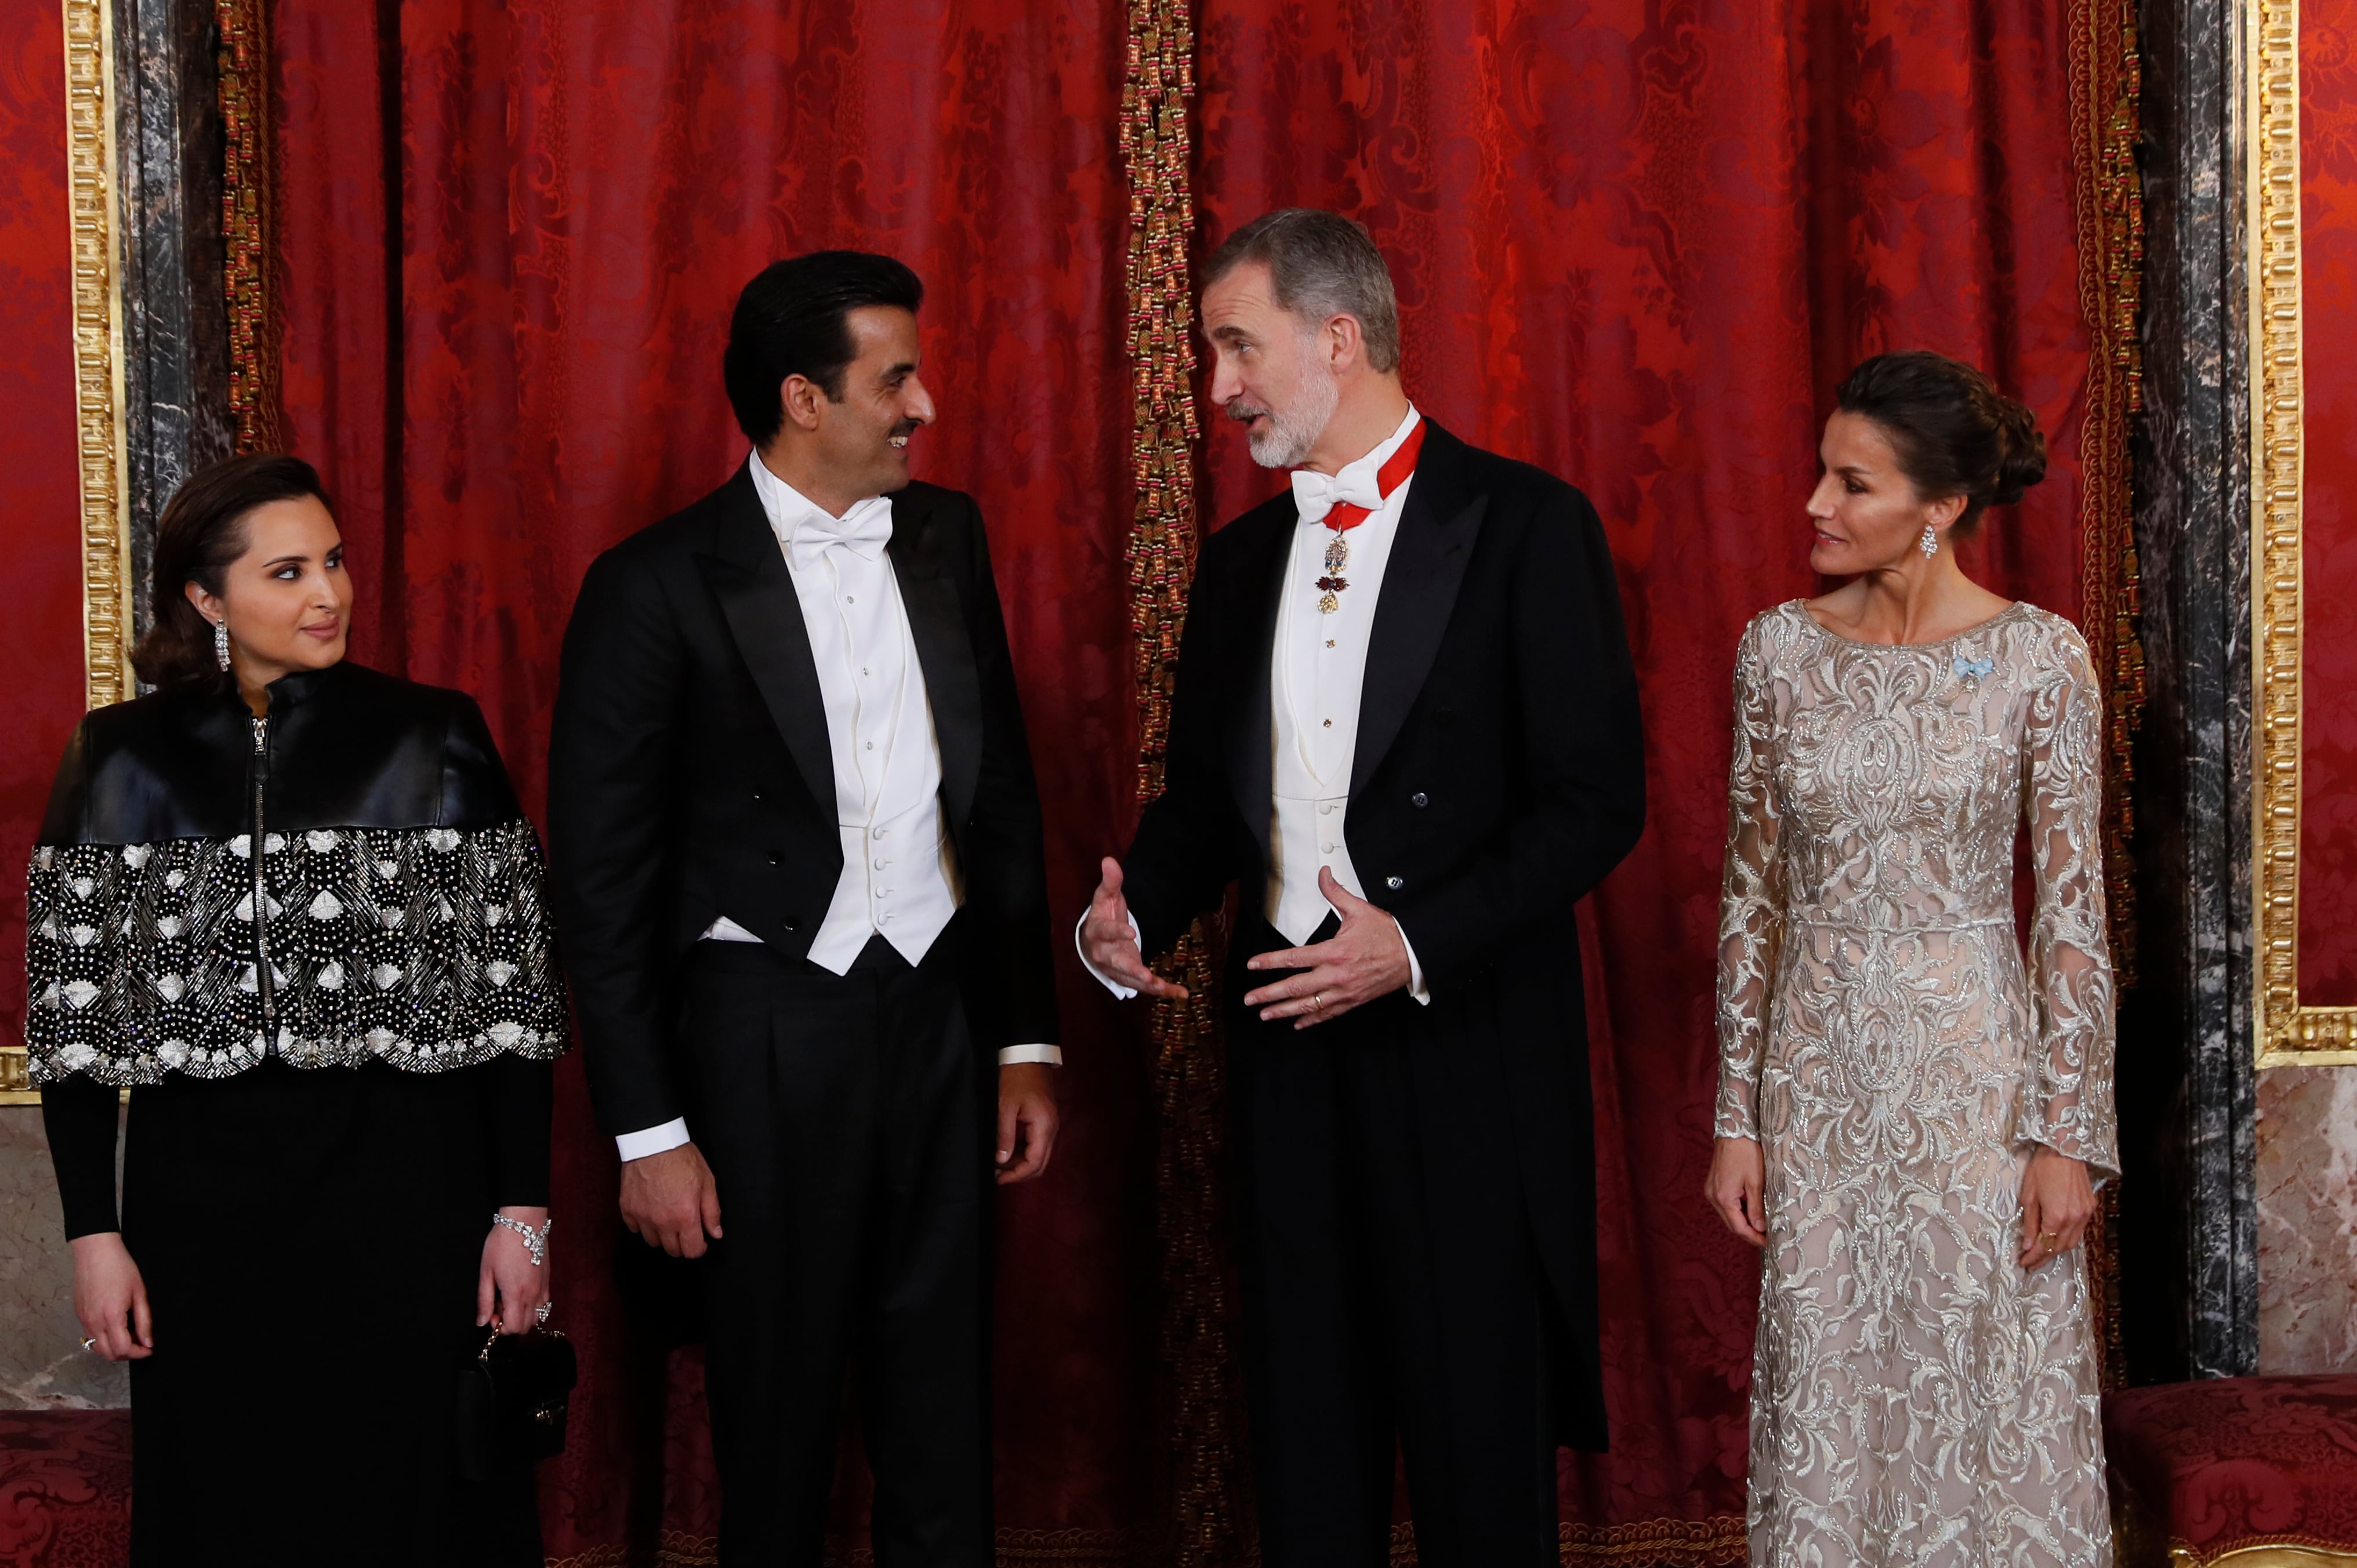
(1394, 883)
(1328, 722)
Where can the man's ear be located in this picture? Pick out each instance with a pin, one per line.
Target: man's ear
(1346, 345)
(800, 396)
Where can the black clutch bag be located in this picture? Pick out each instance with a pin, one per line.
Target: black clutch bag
(512, 1401)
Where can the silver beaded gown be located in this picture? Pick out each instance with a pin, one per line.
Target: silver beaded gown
(1917, 1397)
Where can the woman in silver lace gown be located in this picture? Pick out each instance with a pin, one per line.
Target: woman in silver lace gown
(1908, 1118)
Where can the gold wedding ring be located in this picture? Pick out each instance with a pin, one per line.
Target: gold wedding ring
(1318, 1002)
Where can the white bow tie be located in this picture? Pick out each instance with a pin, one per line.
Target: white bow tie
(1315, 495)
(865, 528)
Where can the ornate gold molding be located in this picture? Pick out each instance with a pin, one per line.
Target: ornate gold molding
(97, 349)
(2267, 1554)
(1714, 1542)
(2286, 1031)
(100, 437)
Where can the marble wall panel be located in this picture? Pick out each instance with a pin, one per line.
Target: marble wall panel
(2307, 1219)
(42, 1363)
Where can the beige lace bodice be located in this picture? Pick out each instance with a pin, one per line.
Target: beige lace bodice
(1873, 806)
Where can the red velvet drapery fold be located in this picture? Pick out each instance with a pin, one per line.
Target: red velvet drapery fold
(1636, 241)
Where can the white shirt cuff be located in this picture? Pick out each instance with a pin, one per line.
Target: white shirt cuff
(647, 1141)
(1010, 1055)
(1414, 969)
(1107, 980)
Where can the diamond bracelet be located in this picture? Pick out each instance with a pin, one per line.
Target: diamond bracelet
(535, 1241)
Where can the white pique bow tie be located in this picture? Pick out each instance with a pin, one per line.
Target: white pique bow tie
(865, 528)
(1315, 495)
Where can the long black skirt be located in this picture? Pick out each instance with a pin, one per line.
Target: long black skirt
(310, 1242)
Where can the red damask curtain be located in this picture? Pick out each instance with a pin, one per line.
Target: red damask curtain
(1636, 242)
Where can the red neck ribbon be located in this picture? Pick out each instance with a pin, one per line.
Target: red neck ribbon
(1398, 466)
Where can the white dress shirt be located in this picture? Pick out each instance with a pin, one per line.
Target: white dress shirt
(899, 877)
(1317, 673)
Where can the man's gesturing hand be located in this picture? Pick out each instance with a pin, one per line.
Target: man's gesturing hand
(1366, 958)
(670, 1200)
(1112, 946)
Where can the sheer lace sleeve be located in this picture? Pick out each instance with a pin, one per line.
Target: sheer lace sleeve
(2067, 1104)
(1751, 905)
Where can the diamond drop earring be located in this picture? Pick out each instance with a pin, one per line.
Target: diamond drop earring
(220, 642)
(1931, 547)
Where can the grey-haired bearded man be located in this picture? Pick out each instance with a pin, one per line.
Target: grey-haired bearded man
(1406, 726)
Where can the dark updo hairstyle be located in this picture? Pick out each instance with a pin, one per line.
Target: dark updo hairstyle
(793, 320)
(201, 531)
(1954, 433)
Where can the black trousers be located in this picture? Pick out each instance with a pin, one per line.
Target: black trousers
(847, 1120)
(1392, 1293)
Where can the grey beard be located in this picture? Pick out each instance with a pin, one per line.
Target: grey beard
(1287, 441)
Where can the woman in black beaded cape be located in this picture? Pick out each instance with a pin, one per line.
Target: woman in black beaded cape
(292, 904)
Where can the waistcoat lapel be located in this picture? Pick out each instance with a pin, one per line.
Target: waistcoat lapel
(1251, 740)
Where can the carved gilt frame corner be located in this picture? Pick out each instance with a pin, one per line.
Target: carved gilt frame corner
(101, 455)
(2286, 1031)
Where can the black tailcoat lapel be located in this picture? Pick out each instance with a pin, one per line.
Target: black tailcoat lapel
(747, 575)
(944, 650)
(1429, 555)
(1253, 716)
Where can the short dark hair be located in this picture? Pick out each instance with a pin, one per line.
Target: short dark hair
(201, 531)
(1321, 265)
(792, 320)
(1954, 433)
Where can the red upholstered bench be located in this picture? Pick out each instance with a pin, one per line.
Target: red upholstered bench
(65, 1489)
(2241, 1472)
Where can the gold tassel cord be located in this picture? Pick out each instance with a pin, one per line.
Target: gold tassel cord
(244, 65)
(2107, 85)
(1206, 1493)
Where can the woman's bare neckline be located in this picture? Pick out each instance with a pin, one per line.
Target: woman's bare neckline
(1977, 627)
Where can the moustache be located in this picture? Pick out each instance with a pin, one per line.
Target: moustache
(1243, 413)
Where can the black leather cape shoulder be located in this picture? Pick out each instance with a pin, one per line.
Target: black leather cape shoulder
(347, 880)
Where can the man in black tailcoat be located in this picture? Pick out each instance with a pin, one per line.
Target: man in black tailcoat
(1406, 726)
(798, 874)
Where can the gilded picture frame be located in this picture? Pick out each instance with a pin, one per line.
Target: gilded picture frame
(101, 437)
(2286, 1031)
